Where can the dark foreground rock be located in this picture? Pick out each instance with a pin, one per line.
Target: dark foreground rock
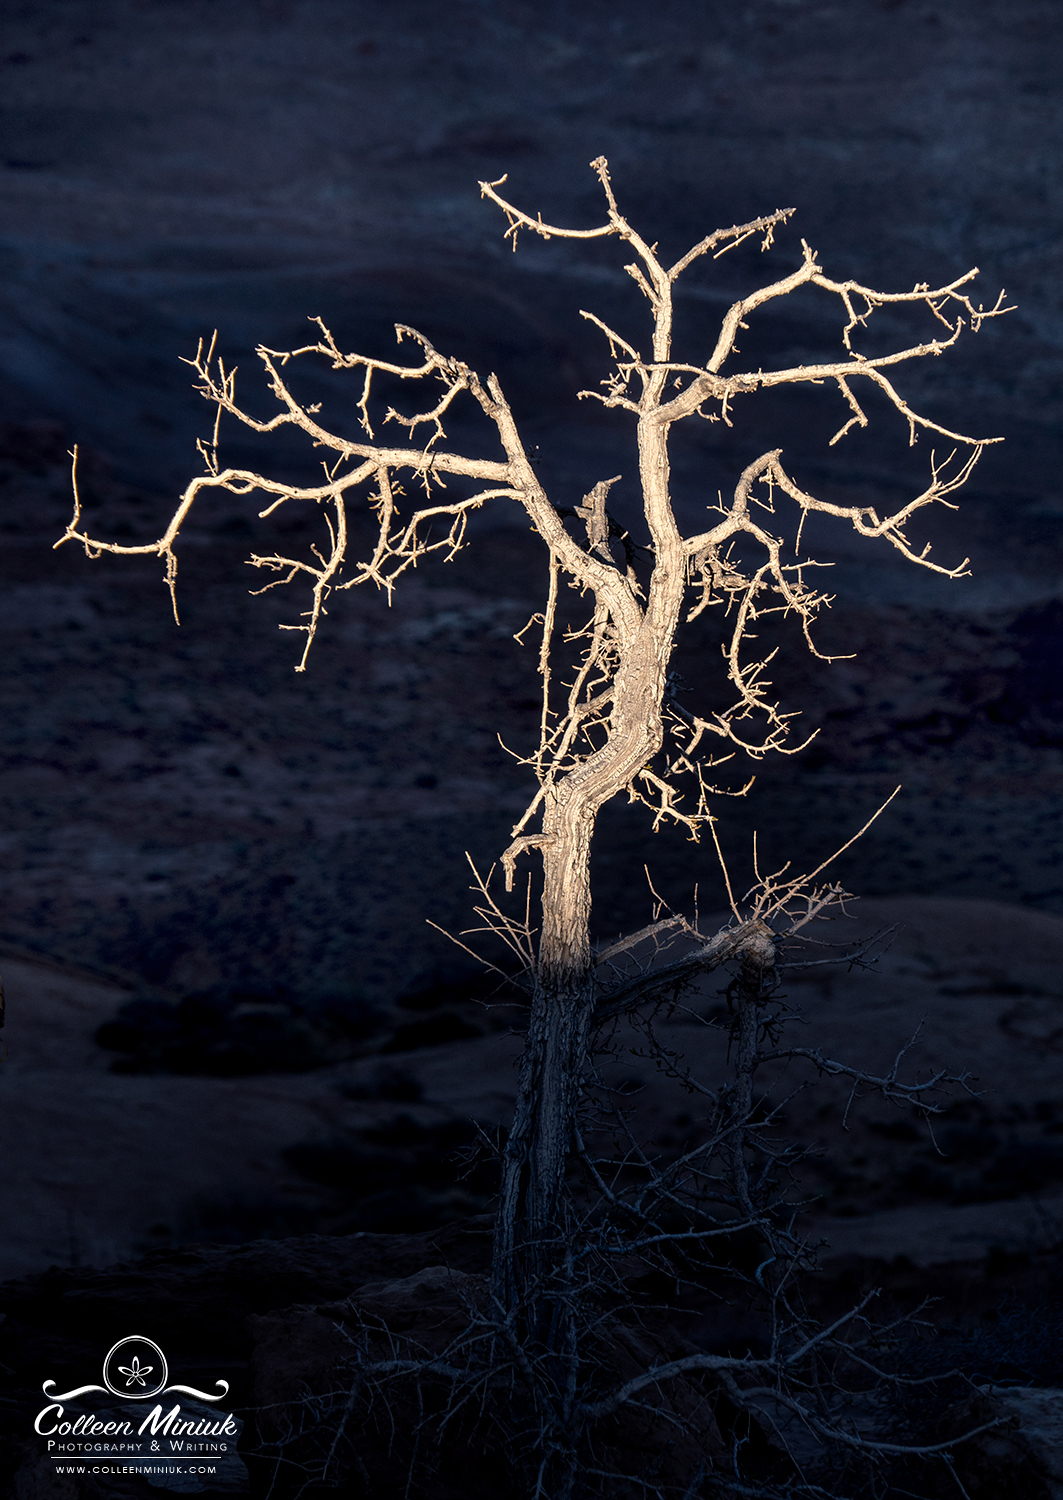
(1022, 1457)
(325, 1411)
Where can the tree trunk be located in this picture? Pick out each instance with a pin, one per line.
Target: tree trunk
(530, 1229)
(551, 1073)
(530, 1232)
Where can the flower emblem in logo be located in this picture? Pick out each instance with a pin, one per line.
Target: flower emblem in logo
(135, 1372)
(136, 1369)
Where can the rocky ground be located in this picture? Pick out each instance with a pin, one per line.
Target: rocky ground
(187, 1171)
(111, 1153)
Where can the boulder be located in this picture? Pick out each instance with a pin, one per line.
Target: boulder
(1022, 1458)
(326, 1412)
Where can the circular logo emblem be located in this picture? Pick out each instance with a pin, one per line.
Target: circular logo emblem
(135, 1369)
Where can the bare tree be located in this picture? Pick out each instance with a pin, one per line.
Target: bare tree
(612, 723)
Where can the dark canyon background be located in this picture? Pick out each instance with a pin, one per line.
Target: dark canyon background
(225, 871)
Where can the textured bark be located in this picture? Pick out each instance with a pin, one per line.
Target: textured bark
(540, 1137)
(530, 1233)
